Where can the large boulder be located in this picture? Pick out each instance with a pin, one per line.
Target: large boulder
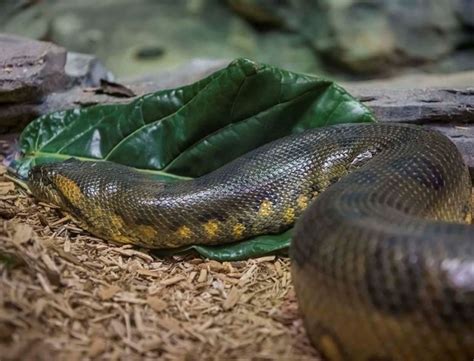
(29, 69)
(371, 37)
(377, 36)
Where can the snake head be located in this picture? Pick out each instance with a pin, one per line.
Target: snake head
(43, 183)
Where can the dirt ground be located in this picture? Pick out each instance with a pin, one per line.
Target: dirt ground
(65, 295)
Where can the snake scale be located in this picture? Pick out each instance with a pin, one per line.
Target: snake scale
(382, 255)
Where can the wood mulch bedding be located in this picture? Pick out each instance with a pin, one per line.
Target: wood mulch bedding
(65, 295)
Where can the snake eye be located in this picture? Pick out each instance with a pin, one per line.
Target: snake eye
(37, 175)
(42, 173)
(41, 182)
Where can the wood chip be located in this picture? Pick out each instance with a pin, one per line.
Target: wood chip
(192, 276)
(60, 221)
(48, 205)
(232, 299)
(172, 280)
(6, 187)
(118, 328)
(170, 323)
(97, 346)
(9, 197)
(202, 275)
(23, 233)
(265, 259)
(44, 283)
(131, 253)
(43, 220)
(150, 273)
(156, 303)
(247, 275)
(107, 293)
(138, 319)
(129, 299)
(49, 263)
(278, 269)
(214, 266)
(68, 256)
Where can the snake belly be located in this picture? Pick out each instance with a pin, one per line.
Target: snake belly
(382, 264)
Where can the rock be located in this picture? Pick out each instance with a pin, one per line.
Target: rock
(188, 73)
(465, 10)
(419, 105)
(145, 37)
(462, 79)
(458, 61)
(359, 38)
(78, 32)
(86, 70)
(29, 69)
(376, 36)
(259, 12)
(14, 117)
(8, 10)
(149, 37)
(444, 103)
(25, 18)
(292, 52)
(463, 136)
(435, 24)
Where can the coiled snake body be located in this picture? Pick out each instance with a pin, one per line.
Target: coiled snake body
(382, 265)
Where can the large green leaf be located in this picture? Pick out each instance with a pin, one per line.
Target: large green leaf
(192, 130)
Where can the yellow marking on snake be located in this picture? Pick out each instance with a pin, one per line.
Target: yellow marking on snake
(116, 226)
(330, 348)
(69, 188)
(184, 232)
(265, 209)
(238, 230)
(468, 218)
(302, 202)
(289, 215)
(211, 228)
(117, 221)
(147, 231)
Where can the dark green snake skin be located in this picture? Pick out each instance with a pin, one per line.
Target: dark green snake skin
(382, 265)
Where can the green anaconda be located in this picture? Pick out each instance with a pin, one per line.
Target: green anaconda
(382, 264)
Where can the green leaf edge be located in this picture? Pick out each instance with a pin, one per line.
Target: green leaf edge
(237, 251)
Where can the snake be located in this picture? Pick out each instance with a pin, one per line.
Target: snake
(382, 253)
